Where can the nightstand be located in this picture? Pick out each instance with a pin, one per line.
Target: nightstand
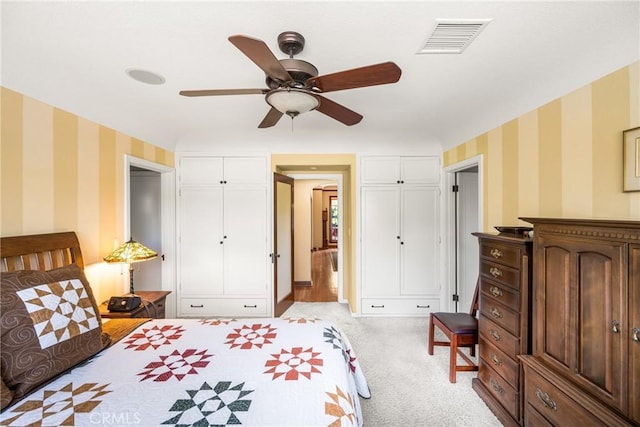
(153, 305)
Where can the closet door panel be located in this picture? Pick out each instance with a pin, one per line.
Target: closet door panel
(245, 241)
(419, 241)
(200, 248)
(380, 241)
(201, 170)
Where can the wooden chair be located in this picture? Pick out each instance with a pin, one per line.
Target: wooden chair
(462, 331)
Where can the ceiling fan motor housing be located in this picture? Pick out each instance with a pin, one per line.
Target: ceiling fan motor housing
(299, 70)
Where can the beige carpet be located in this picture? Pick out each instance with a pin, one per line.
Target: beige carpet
(408, 387)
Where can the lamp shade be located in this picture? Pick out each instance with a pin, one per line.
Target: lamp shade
(131, 251)
(292, 101)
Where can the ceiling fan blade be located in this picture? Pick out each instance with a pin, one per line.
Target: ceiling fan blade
(338, 112)
(216, 92)
(371, 75)
(257, 51)
(270, 119)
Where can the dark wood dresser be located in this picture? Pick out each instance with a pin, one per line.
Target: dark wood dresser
(503, 324)
(585, 364)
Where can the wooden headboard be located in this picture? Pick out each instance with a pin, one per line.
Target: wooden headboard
(40, 251)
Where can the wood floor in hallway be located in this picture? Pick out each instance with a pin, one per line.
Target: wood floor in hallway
(324, 281)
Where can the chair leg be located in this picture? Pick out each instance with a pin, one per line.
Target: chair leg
(431, 332)
(472, 350)
(453, 358)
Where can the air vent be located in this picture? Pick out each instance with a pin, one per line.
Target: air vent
(453, 35)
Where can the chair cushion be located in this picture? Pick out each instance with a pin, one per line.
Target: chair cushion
(459, 323)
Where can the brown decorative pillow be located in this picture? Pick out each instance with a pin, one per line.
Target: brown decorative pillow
(49, 322)
(6, 395)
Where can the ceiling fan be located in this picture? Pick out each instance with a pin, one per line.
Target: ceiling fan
(294, 86)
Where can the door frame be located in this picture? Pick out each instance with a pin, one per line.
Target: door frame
(449, 226)
(338, 178)
(167, 221)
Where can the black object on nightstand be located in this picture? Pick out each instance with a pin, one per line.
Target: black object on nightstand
(153, 306)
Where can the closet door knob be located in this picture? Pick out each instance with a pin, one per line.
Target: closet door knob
(636, 335)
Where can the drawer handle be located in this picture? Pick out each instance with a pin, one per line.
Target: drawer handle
(546, 400)
(496, 253)
(495, 360)
(614, 327)
(377, 306)
(634, 336)
(496, 291)
(495, 272)
(250, 306)
(496, 336)
(496, 386)
(496, 313)
(422, 306)
(196, 306)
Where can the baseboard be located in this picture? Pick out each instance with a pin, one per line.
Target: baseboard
(302, 283)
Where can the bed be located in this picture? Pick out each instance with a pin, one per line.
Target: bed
(62, 365)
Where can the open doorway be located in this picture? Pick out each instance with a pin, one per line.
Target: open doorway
(150, 219)
(323, 259)
(464, 189)
(317, 277)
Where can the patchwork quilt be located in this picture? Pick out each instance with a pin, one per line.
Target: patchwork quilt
(201, 372)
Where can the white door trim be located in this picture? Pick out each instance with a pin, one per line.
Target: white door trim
(167, 220)
(449, 272)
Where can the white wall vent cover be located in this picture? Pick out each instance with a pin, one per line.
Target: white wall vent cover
(453, 35)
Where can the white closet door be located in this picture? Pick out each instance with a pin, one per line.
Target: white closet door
(245, 241)
(380, 242)
(200, 248)
(419, 271)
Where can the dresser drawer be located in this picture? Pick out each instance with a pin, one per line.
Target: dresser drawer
(223, 307)
(508, 319)
(501, 293)
(504, 393)
(554, 405)
(499, 337)
(500, 273)
(501, 253)
(409, 307)
(533, 418)
(505, 366)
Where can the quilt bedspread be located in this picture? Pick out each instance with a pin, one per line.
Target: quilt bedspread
(179, 372)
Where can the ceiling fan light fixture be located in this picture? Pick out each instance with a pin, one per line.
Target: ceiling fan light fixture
(291, 101)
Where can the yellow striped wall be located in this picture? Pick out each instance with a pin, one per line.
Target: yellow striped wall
(61, 172)
(563, 159)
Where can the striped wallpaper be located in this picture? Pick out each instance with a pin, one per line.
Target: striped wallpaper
(562, 159)
(60, 172)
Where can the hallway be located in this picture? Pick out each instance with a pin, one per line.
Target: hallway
(324, 279)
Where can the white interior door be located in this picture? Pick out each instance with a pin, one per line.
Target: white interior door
(146, 227)
(468, 252)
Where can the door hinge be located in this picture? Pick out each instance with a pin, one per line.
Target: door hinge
(456, 297)
(454, 188)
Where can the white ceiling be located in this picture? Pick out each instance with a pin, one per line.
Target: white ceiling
(74, 55)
